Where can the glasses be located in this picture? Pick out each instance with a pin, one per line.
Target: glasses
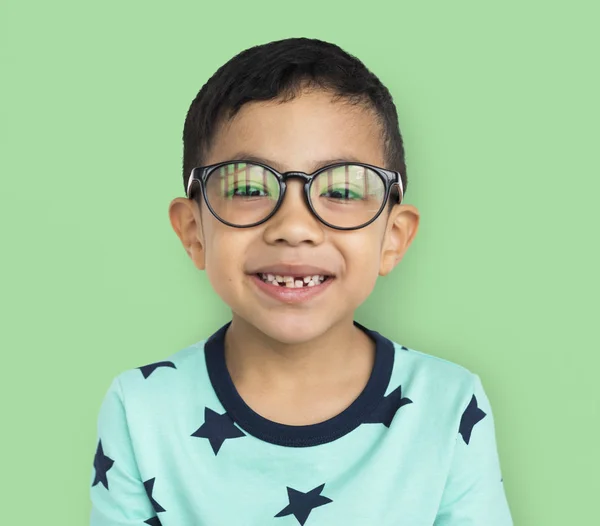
(344, 196)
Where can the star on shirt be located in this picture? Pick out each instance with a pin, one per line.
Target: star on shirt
(386, 410)
(147, 370)
(217, 428)
(470, 417)
(301, 504)
(153, 521)
(149, 486)
(102, 464)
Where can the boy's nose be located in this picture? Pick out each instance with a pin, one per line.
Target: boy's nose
(294, 222)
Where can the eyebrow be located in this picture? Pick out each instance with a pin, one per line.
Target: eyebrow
(241, 156)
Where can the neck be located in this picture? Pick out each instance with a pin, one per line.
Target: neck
(340, 355)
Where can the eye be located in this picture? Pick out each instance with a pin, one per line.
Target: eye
(244, 190)
(341, 193)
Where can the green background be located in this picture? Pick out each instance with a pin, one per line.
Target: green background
(498, 103)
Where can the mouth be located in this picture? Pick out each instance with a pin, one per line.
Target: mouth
(293, 282)
(290, 289)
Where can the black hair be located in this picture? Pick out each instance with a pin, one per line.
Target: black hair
(280, 69)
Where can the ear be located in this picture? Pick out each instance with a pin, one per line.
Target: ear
(402, 226)
(184, 215)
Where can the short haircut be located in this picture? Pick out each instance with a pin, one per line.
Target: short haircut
(280, 70)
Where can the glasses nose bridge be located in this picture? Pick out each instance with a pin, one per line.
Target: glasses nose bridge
(306, 180)
(289, 175)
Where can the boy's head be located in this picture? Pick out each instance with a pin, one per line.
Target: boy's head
(294, 105)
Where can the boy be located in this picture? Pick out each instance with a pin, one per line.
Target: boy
(293, 413)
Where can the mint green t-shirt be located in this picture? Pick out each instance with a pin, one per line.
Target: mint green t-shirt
(178, 446)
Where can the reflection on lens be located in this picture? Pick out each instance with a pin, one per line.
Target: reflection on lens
(242, 193)
(347, 196)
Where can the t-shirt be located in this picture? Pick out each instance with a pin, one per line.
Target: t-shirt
(178, 446)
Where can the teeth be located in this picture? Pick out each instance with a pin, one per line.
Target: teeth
(291, 281)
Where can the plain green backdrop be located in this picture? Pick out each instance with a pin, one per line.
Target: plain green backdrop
(498, 103)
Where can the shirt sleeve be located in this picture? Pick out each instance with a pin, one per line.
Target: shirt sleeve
(474, 491)
(118, 495)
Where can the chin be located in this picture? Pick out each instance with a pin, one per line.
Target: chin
(291, 328)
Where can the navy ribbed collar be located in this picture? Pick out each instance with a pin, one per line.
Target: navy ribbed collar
(304, 435)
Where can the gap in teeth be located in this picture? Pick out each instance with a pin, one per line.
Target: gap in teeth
(292, 282)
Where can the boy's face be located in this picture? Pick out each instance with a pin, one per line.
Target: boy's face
(302, 134)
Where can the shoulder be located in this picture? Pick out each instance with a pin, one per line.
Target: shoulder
(440, 399)
(161, 383)
(183, 361)
(425, 363)
(436, 382)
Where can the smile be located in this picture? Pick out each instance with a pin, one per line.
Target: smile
(293, 281)
(291, 289)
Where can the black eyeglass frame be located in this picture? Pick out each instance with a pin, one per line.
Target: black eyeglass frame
(390, 178)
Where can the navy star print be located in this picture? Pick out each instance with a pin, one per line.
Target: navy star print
(470, 417)
(147, 370)
(102, 464)
(217, 428)
(149, 486)
(301, 504)
(387, 408)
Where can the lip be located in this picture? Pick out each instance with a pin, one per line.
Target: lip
(288, 294)
(293, 270)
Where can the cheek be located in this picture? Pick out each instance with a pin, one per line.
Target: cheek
(362, 263)
(222, 275)
(226, 253)
(216, 245)
(363, 251)
(221, 259)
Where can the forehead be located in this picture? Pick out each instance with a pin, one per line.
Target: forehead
(301, 134)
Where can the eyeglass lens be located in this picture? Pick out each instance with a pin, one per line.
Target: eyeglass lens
(344, 196)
